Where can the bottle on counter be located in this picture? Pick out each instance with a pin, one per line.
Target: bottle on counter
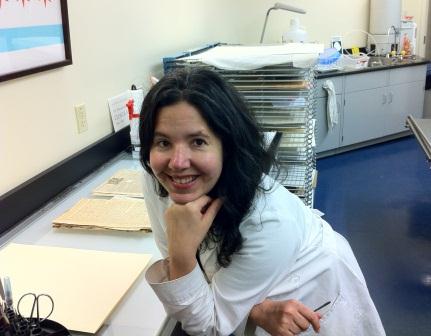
(295, 34)
(408, 37)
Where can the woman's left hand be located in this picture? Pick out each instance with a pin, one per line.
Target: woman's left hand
(284, 318)
(187, 226)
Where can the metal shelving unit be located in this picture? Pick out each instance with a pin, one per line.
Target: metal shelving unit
(282, 98)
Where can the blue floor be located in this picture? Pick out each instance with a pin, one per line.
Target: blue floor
(379, 198)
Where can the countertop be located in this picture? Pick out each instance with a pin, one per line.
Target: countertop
(397, 64)
(140, 312)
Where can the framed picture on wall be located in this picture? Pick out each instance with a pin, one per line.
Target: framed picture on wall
(34, 37)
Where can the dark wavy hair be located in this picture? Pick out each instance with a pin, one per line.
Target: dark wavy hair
(245, 158)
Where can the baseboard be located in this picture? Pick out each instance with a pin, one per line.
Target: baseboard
(23, 200)
(360, 145)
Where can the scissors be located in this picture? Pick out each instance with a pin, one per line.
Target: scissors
(35, 306)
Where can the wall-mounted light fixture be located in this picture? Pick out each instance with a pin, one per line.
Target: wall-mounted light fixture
(279, 5)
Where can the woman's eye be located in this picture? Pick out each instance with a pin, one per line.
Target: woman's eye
(162, 143)
(199, 142)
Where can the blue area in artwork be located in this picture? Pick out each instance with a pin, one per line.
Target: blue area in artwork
(12, 39)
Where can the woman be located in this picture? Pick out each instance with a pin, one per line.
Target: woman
(241, 252)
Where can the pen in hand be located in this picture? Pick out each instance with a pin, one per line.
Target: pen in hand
(322, 306)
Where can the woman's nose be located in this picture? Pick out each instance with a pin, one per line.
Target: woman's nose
(180, 158)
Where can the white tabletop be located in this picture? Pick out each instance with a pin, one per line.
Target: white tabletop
(140, 312)
(421, 128)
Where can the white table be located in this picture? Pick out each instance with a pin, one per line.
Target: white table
(421, 128)
(140, 312)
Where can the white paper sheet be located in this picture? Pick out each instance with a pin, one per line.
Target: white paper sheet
(118, 110)
(85, 285)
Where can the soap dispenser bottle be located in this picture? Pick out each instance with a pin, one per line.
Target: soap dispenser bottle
(295, 33)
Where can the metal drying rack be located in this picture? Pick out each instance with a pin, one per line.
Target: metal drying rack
(282, 99)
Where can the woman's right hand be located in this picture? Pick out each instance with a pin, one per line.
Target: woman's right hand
(187, 226)
(284, 318)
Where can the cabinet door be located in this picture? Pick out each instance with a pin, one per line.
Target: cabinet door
(404, 99)
(403, 75)
(366, 81)
(326, 138)
(320, 92)
(365, 114)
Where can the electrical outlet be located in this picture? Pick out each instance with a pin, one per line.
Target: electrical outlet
(81, 118)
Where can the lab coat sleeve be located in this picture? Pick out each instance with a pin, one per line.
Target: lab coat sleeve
(155, 208)
(271, 244)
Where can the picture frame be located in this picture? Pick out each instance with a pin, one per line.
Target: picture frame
(34, 37)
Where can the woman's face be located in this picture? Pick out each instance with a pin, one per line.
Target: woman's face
(186, 156)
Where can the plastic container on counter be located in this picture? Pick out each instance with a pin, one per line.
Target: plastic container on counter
(328, 60)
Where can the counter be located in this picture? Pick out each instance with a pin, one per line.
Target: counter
(140, 311)
(372, 104)
(390, 65)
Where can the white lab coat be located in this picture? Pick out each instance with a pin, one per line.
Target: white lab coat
(288, 253)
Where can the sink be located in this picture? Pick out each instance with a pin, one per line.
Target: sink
(377, 61)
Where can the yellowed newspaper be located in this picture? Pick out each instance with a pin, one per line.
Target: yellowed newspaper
(123, 214)
(126, 182)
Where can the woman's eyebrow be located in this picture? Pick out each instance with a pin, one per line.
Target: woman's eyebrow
(159, 134)
(199, 134)
(190, 135)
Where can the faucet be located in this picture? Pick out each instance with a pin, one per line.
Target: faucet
(396, 32)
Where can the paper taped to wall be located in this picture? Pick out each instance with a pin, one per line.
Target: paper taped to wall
(118, 110)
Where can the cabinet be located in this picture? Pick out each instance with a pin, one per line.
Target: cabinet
(406, 92)
(377, 104)
(365, 107)
(373, 105)
(404, 100)
(327, 138)
(365, 114)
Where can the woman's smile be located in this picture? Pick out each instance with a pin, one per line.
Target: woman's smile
(183, 182)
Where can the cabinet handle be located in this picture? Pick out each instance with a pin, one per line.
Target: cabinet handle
(391, 96)
(384, 99)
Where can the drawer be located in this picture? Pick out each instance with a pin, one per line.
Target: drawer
(408, 74)
(366, 80)
(338, 84)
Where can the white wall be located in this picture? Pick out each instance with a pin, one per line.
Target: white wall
(117, 43)
(323, 20)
